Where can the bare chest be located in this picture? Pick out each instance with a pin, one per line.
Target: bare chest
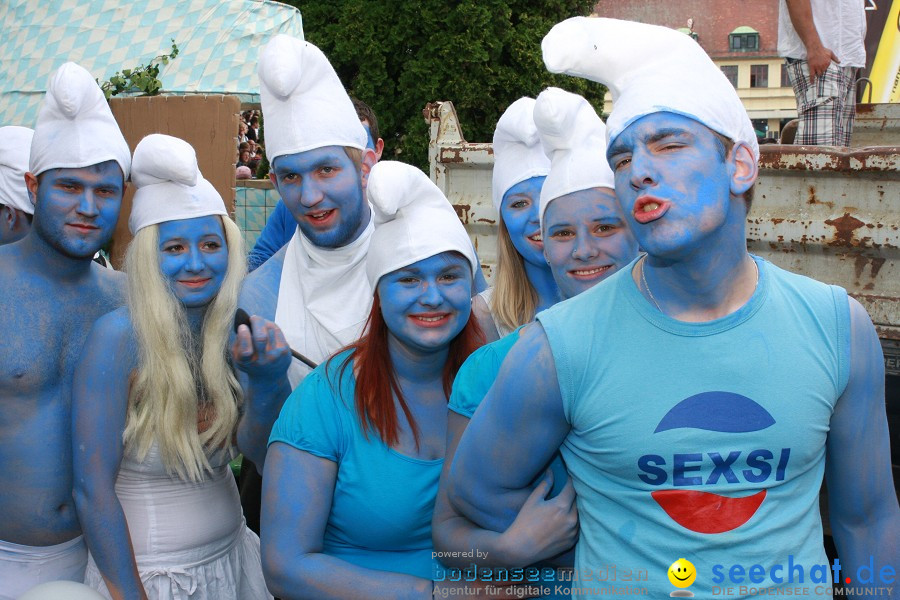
(42, 335)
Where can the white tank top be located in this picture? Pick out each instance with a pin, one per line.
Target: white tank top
(168, 514)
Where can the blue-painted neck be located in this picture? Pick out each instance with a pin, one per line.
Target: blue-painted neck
(43, 258)
(414, 364)
(709, 275)
(541, 278)
(195, 316)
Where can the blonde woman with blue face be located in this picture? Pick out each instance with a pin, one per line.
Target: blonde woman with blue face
(523, 284)
(585, 235)
(157, 406)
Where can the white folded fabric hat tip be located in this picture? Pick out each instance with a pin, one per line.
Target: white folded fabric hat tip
(169, 184)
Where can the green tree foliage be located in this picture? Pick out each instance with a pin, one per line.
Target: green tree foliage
(141, 80)
(399, 55)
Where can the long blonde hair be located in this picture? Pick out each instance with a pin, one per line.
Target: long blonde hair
(171, 381)
(514, 301)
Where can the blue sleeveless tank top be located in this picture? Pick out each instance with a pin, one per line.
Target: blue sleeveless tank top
(703, 441)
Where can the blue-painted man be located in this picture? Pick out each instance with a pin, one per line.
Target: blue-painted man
(281, 225)
(315, 288)
(698, 395)
(51, 293)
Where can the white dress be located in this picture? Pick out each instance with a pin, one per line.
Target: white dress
(190, 539)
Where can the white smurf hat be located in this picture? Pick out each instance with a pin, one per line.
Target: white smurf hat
(15, 143)
(574, 138)
(169, 184)
(648, 69)
(75, 127)
(304, 103)
(413, 220)
(517, 149)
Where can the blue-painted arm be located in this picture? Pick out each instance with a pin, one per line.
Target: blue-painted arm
(297, 494)
(261, 362)
(543, 527)
(100, 397)
(865, 517)
(512, 436)
(263, 356)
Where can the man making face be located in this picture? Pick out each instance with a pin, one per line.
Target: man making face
(697, 423)
(52, 292)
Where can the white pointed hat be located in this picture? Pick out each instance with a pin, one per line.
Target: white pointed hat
(518, 155)
(574, 138)
(413, 220)
(75, 127)
(648, 69)
(303, 100)
(169, 184)
(15, 144)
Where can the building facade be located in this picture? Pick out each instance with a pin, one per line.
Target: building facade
(741, 36)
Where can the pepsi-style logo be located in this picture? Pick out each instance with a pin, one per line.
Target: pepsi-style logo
(705, 511)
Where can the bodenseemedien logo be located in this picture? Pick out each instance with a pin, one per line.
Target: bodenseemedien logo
(682, 574)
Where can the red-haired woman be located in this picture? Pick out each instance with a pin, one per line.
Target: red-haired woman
(354, 459)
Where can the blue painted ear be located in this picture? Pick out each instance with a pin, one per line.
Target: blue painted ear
(369, 160)
(31, 184)
(745, 168)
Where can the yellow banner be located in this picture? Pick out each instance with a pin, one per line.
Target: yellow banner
(885, 72)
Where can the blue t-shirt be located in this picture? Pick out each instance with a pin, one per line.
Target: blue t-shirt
(477, 374)
(383, 501)
(703, 441)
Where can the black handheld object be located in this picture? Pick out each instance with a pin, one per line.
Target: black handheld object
(242, 318)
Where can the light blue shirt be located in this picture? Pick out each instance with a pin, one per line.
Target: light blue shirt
(383, 500)
(700, 440)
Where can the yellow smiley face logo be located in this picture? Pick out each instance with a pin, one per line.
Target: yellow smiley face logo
(682, 573)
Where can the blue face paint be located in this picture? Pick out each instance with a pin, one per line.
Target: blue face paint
(322, 189)
(76, 209)
(520, 212)
(426, 304)
(672, 183)
(585, 239)
(193, 258)
(370, 141)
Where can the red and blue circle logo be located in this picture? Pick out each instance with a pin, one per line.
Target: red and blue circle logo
(699, 510)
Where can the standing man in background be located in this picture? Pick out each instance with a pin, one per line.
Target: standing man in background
(822, 43)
